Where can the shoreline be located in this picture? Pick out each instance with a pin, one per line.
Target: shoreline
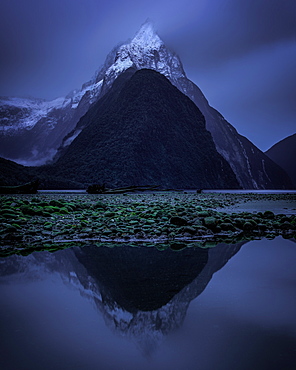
(55, 221)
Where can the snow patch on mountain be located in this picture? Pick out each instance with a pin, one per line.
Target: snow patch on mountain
(23, 113)
(93, 90)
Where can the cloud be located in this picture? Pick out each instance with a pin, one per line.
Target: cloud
(232, 28)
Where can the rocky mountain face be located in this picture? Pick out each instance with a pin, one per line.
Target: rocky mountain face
(33, 131)
(284, 154)
(145, 131)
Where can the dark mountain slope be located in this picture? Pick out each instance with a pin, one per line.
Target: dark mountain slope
(12, 173)
(146, 132)
(284, 154)
(103, 104)
(251, 166)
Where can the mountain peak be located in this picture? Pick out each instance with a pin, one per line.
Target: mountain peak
(145, 50)
(147, 35)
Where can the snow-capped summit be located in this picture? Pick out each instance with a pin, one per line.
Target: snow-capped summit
(147, 36)
(145, 50)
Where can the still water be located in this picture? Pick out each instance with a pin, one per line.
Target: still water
(227, 307)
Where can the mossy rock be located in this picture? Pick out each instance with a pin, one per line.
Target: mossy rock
(248, 226)
(189, 230)
(86, 230)
(9, 229)
(285, 218)
(63, 211)
(270, 236)
(276, 225)
(20, 221)
(178, 246)
(107, 232)
(198, 209)
(162, 247)
(6, 210)
(227, 226)
(253, 222)
(286, 226)
(268, 214)
(28, 210)
(70, 207)
(178, 221)
(203, 214)
(110, 214)
(9, 215)
(99, 205)
(69, 227)
(38, 211)
(239, 222)
(262, 227)
(150, 221)
(218, 229)
(210, 222)
(48, 226)
(227, 220)
(57, 203)
(46, 214)
(51, 209)
(197, 221)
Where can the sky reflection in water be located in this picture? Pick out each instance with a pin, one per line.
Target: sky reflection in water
(228, 307)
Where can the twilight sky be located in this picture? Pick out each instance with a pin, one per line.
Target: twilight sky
(242, 54)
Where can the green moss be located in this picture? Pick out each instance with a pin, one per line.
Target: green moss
(9, 215)
(51, 209)
(63, 211)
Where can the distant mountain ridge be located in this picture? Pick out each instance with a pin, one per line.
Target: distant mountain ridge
(51, 134)
(284, 154)
(31, 130)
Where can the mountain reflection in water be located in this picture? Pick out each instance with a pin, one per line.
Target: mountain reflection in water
(145, 292)
(65, 310)
(142, 292)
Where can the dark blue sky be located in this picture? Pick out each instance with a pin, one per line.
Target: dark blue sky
(242, 54)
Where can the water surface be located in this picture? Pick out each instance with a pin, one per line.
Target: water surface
(227, 307)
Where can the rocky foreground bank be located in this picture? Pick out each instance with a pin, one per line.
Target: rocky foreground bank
(170, 219)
